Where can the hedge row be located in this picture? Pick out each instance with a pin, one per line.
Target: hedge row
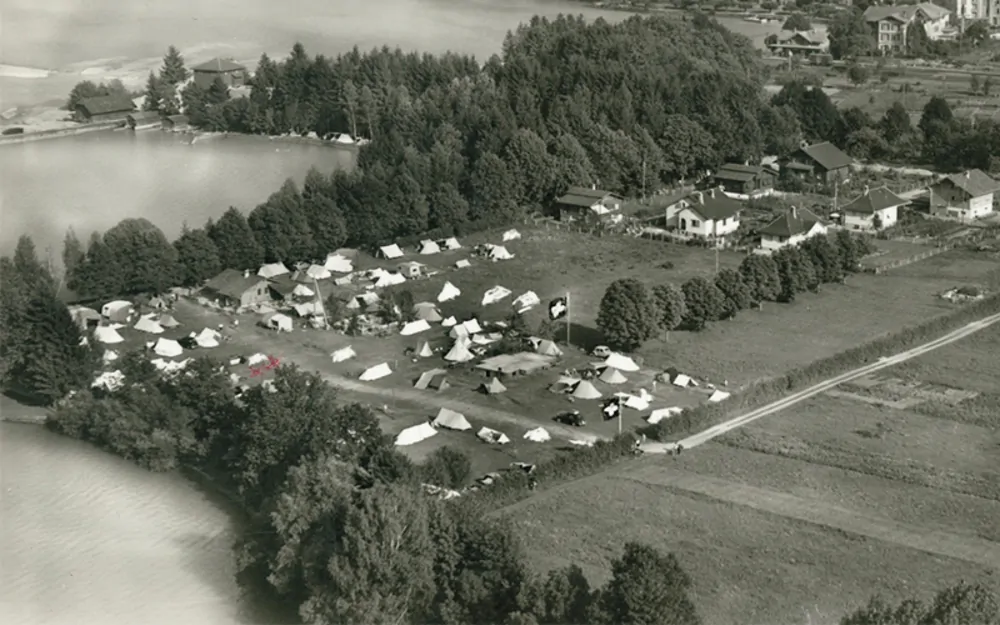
(704, 416)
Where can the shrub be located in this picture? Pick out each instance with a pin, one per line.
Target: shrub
(446, 467)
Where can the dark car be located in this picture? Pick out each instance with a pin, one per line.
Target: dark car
(571, 417)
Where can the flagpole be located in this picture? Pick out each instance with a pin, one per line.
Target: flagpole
(619, 416)
(568, 310)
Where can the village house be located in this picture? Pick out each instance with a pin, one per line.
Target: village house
(237, 289)
(792, 228)
(708, 214)
(745, 181)
(888, 23)
(875, 209)
(582, 204)
(143, 119)
(232, 73)
(966, 196)
(798, 43)
(103, 108)
(821, 162)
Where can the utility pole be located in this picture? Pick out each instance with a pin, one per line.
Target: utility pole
(644, 177)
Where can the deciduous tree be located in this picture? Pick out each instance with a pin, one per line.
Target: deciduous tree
(737, 294)
(704, 302)
(760, 274)
(197, 256)
(238, 248)
(670, 304)
(627, 316)
(648, 588)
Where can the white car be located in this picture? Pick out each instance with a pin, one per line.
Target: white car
(602, 351)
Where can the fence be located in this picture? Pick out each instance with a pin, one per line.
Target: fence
(912, 259)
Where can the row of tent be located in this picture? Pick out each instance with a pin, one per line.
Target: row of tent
(428, 247)
(451, 420)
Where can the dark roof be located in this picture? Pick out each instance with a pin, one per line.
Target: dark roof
(583, 197)
(904, 12)
(232, 283)
(826, 155)
(873, 201)
(283, 285)
(106, 104)
(974, 182)
(144, 115)
(218, 66)
(713, 206)
(788, 225)
(178, 119)
(738, 172)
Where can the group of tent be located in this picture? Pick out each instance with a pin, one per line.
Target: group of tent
(451, 420)
(336, 262)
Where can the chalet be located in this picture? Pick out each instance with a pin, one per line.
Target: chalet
(237, 289)
(876, 209)
(820, 162)
(176, 123)
(964, 196)
(232, 73)
(888, 23)
(143, 119)
(709, 214)
(792, 228)
(103, 108)
(798, 43)
(745, 181)
(582, 204)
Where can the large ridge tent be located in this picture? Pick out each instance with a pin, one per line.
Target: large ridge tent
(427, 311)
(146, 324)
(415, 327)
(106, 334)
(342, 354)
(338, 263)
(167, 348)
(391, 251)
(376, 373)
(414, 434)
(429, 247)
(448, 292)
(450, 243)
(495, 294)
(451, 420)
(622, 363)
(207, 338)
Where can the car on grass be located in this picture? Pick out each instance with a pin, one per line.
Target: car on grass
(601, 351)
(571, 417)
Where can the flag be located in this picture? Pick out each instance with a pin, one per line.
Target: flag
(612, 408)
(558, 308)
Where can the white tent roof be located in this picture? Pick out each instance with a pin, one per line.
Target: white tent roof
(538, 435)
(586, 390)
(465, 328)
(167, 348)
(462, 264)
(112, 307)
(344, 139)
(109, 355)
(526, 301)
(635, 402)
(302, 290)
(391, 251)
(415, 434)
(718, 396)
(272, 270)
(494, 386)
(389, 279)
(448, 292)
(451, 243)
(105, 334)
(492, 436)
(495, 294)
(459, 353)
(546, 347)
(622, 363)
(612, 376)
(145, 324)
(425, 350)
(344, 353)
(681, 380)
(279, 321)
(449, 322)
(109, 380)
(168, 321)
(429, 247)
(663, 413)
(499, 252)
(375, 373)
(338, 263)
(208, 338)
(415, 327)
(451, 420)
(307, 309)
(257, 358)
(426, 311)
(318, 272)
(511, 235)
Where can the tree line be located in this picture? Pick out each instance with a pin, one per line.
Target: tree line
(630, 314)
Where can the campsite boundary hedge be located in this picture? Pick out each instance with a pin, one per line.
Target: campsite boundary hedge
(698, 418)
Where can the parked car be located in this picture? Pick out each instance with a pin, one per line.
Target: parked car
(602, 351)
(571, 417)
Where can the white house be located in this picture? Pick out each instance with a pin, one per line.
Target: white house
(876, 209)
(964, 196)
(707, 214)
(792, 228)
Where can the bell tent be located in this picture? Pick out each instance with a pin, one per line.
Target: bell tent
(493, 387)
(459, 353)
(586, 390)
(168, 321)
(612, 376)
(425, 350)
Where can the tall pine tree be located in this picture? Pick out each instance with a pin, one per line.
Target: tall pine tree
(173, 71)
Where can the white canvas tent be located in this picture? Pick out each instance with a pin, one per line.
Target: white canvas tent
(459, 353)
(681, 380)
(586, 390)
(718, 396)
(448, 292)
(429, 247)
(147, 325)
(168, 321)
(495, 294)
(449, 322)
(511, 235)
(167, 348)
(105, 334)
(415, 327)
(308, 309)
(622, 363)
(344, 353)
(462, 264)
(207, 338)
(466, 328)
(538, 435)
(117, 310)
(272, 270)
(279, 322)
(663, 413)
(109, 355)
(109, 380)
(338, 263)
(318, 272)
(425, 379)
(526, 302)
(376, 373)
(389, 279)
(302, 290)
(426, 311)
(391, 251)
(414, 434)
(636, 402)
(451, 243)
(546, 347)
(451, 420)
(492, 436)
(493, 387)
(499, 252)
(610, 375)
(425, 350)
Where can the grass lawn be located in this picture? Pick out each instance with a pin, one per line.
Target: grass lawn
(748, 567)
(893, 251)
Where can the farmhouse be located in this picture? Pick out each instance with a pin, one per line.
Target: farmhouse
(583, 204)
(233, 288)
(888, 23)
(232, 73)
(706, 214)
(103, 108)
(143, 119)
(745, 181)
(876, 209)
(799, 43)
(792, 228)
(822, 162)
(964, 196)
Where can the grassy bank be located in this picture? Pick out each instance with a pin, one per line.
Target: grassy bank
(61, 132)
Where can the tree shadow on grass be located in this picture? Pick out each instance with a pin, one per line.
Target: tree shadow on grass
(581, 336)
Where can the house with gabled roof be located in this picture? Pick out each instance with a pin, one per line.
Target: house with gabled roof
(238, 289)
(103, 108)
(966, 196)
(820, 162)
(583, 204)
(875, 209)
(791, 228)
(232, 73)
(798, 43)
(889, 23)
(708, 214)
(745, 181)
